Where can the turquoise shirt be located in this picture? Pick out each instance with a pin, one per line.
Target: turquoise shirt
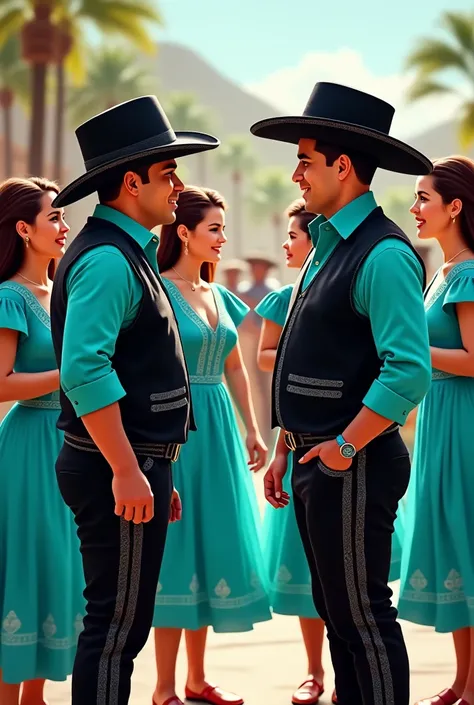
(104, 295)
(389, 291)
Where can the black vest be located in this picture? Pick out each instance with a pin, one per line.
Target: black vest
(327, 359)
(148, 357)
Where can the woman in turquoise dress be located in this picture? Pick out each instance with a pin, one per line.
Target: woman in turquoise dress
(212, 572)
(41, 578)
(437, 574)
(287, 567)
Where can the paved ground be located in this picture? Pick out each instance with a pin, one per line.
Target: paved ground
(266, 665)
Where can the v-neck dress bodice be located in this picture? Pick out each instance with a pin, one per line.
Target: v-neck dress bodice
(219, 580)
(41, 576)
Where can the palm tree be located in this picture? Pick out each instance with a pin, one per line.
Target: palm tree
(14, 83)
(272, 194)
(454, 54)
(114, 77)
(185, 113)
(33, 18)
(73, 19)
(236, 156)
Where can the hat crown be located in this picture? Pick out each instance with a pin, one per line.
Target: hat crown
(331, 101)
(122, 126)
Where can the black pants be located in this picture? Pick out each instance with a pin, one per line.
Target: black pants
(346, 524)
(121, 562)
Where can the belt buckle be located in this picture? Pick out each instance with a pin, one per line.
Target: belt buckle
(290, 441)
(174, 452)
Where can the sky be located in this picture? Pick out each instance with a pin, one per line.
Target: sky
(278, 49)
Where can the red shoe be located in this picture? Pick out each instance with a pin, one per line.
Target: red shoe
(214, 696)
(171, 701)
(310, 692)
(446, 697)
(334, 697)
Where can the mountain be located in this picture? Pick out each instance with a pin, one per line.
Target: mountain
(178, 68)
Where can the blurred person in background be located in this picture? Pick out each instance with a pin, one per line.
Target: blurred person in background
(232, 271)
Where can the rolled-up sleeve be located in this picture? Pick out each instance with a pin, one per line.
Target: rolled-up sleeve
(100, 290)
(389, 291)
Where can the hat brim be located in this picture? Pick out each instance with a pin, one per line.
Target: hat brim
(391, 154)
(186, 143)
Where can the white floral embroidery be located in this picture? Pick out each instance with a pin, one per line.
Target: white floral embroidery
(222, 590)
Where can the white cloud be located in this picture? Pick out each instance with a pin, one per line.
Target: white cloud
(288, 89)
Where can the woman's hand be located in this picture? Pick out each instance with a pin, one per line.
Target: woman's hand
(257, 451)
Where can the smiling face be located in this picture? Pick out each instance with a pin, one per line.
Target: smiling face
(433, 217)
(157, 199)
(206, 240)
(297, 245)
(48, 235)
(320, 184)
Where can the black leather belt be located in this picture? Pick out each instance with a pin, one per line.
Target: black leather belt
(167, 451)
(303, 440)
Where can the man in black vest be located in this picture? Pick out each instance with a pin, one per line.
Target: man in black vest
(353, 361)
(125, 397)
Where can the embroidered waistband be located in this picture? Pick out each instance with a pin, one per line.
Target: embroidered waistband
(439, 374)
(205, 379)
(303, 440)
(169, 451)
(41, 404)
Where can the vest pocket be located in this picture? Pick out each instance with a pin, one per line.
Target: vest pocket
(169, 400)
(314, 387)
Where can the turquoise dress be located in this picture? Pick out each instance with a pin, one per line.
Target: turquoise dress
(41, 577)
(437, 581)
(212, 572)
(285, 559)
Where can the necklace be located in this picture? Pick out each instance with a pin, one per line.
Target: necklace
(465, 249)
(191, 284)
(41, 286)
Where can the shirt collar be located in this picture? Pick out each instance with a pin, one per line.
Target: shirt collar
(348, 219)
(139, 233)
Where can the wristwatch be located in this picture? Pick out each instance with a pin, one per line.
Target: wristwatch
(346, 449)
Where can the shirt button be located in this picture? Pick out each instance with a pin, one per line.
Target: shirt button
(316, 263)
(155, 239)
(76, 403)
(327, 227)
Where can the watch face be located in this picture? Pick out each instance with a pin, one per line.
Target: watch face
(348, 450)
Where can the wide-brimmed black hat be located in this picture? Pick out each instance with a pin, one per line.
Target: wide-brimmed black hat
(351, 119)
(132, 131)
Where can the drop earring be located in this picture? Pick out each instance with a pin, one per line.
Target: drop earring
(454, 219)
(186, 250)
(27, 241)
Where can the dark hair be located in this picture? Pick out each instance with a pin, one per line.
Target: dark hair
(110, 190)
(193, 203)
(453, 177)
(298, 210)
(364, 166)
(20, 199)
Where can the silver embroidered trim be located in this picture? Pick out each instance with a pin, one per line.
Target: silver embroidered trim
(305, 392)
(148, 464)
(439, 374)
(205, 379)
(328, 471)
(206, 330)
(41, 404)
(314, 382)
(161, 396)
(171, 405)
(137, 546)
(284, 342)
(356, 581)
(31, 301)
(227, 324)
(122, 580)
(78, 447)
(468, 264)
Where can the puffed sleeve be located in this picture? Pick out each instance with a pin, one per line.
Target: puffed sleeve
(274, 307)
(459, 291)
(12, 311)
(235, 307)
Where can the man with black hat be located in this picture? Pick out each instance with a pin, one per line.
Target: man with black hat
(125, 397)
(353, 361)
